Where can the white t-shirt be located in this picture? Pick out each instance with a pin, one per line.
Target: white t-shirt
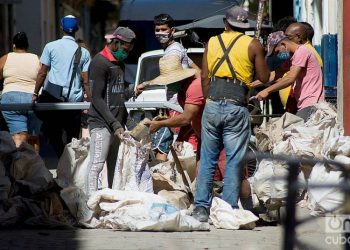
(177, 49)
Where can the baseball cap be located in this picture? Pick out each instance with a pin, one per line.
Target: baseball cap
(123, 34)
(69, 24)
(272, 40)
(237, 17)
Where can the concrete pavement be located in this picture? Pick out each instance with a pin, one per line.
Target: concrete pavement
(311, 234)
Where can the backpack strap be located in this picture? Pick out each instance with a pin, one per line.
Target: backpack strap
(225, 56)
(77, 56)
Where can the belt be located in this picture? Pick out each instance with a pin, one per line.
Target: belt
(230, 100)
(229, 80)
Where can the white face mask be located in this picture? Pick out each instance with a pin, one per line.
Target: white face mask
(162, 37)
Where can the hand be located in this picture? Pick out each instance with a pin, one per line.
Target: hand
(34, 98)
(119, 132)
(153, 126)
(178, 146)
(262, 95)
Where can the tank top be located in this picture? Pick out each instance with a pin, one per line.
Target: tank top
(20, 72)
(243, 67)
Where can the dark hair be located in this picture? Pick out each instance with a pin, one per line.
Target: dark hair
(283, 23)
(164, 19)
(309, 30)
(20, 40)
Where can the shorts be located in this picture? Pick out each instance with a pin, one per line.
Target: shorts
(162, 140)
(20, 121)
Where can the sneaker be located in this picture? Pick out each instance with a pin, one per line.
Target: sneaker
(201, 214)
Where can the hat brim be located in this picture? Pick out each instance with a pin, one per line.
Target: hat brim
(175, 76)
(241, 25)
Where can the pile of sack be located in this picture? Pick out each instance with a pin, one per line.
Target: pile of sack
(321, 137)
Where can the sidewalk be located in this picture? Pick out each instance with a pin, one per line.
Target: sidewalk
(264, 237)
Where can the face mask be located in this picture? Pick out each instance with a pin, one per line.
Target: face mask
(174, 87)
(162, 37)
(283, 55)
(120, 54)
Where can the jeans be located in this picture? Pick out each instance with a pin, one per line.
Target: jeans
(222, 123)
(20, 121)
(103, 147)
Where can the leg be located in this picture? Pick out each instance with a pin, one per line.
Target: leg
(210, 148)
(161, 142)
(99, 146)
(72, 124)
(112, 159)
(236, 133)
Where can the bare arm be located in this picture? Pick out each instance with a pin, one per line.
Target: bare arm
(40, 79)
(2, 64)
(257, 57)
(181, 120)
(205, 72)
(281, 84)
(84, 76)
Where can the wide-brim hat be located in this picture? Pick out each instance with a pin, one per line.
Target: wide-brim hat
(171, 71)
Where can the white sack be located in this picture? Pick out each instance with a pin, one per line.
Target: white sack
(131, 170)
(225, 217)
(139, 211)
(75, 200)
(322, 200)
(73, 165)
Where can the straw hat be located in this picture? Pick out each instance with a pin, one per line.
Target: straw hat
(171, 71)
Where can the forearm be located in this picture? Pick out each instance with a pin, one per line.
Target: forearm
(39, 81)
(176, 121)
(87, 91)
(281, 84)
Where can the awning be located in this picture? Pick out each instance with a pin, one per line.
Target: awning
(214, 22)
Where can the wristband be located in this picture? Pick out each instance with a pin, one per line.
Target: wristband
(36, 94)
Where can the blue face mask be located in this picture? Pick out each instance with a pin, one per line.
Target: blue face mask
(283, 55)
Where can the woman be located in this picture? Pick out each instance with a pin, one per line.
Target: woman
(19, 70)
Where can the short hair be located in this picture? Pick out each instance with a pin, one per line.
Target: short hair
(20, 40)
(162, 19)
(309, 30)
(283, 23)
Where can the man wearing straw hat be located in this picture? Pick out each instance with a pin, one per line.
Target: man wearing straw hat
(190, 97)
(229, 63)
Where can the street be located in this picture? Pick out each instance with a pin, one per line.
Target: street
(311, 234)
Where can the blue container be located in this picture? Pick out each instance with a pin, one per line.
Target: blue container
(330, 64)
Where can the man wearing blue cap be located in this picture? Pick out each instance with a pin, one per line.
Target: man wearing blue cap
(64, 63)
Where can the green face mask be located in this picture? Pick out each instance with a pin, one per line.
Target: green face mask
(174, 87)
(120, 54)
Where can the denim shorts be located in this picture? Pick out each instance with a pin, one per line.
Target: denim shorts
(162, 140)
(20, 121)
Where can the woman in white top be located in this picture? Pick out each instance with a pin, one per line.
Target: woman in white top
(19, 70)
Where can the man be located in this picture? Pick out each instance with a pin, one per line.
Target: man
(57, 62)
(164, 32)
(298, 33)
(107, 114)
(226, 75)
(305, 75)
(189, 96)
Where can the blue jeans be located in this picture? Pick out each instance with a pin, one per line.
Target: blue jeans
(222, 123)
(20, 121)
